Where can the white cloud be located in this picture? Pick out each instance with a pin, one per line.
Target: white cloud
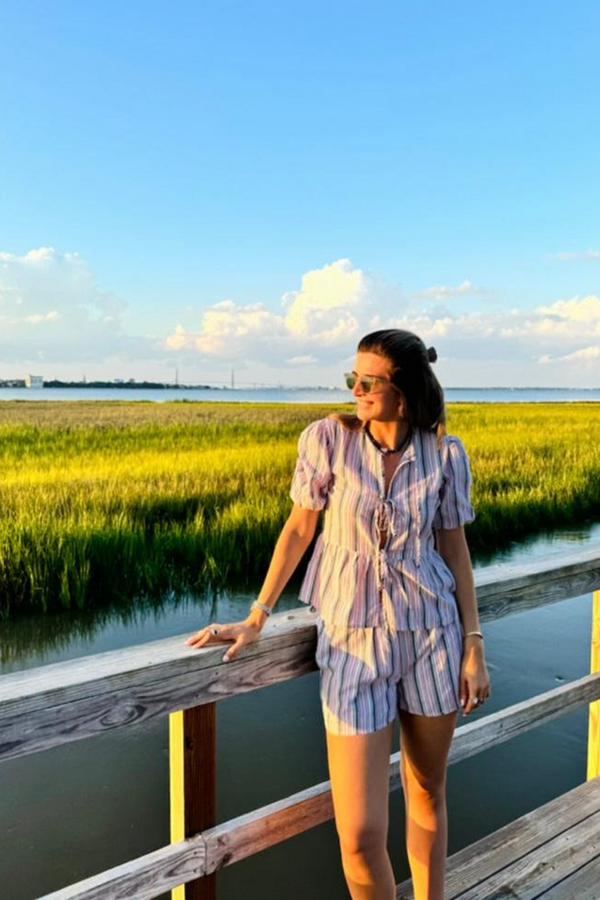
(301, 360)
(324, 314)
(591, 255)
(574, 310)
(336, 305)
(41, 317)
(586, 354)
(443, 292)
(52, 309)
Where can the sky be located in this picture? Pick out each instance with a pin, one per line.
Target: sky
(191, 188)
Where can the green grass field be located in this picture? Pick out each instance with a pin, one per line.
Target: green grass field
(107, 501)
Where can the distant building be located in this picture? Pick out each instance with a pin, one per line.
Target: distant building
(34, 381)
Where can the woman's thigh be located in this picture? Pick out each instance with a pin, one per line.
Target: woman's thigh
(359, 769)
(424, 745)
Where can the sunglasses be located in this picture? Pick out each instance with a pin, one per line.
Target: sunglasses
(367, 382)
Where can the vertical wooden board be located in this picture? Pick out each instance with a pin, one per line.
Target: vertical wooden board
(192, 764)
(176, 787)
(593, 757)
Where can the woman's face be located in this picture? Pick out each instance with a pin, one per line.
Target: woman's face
(382, 402)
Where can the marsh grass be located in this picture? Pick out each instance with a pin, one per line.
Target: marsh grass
(111, 501)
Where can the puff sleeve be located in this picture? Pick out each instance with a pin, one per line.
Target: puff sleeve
(455, 507)
(313, 476)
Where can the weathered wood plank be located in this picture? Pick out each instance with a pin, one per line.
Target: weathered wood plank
(80, 677)
(141, 878)
(519, 859)
(497, 727)
(545, 867)
(550, 578)
(232, 841)
(56, 723)
(508, 588)
(584, 884)
(36, 713)
(50, 705)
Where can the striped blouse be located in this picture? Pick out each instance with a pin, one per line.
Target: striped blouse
(406, 585)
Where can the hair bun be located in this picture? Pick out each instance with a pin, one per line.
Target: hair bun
(431, 354)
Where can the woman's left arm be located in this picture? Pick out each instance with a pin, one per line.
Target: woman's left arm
(452, 546)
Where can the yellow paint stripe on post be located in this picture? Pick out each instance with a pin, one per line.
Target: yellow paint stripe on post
(192, 774)
(593, 757)
(176, 780)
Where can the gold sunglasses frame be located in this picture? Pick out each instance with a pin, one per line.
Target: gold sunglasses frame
(370, 380)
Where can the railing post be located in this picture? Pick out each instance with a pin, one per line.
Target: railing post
(593, 758)
(192, 763)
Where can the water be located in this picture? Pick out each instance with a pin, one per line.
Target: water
(72, 811)
(332, 394)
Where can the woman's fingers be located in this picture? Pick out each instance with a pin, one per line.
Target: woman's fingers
(241, 633)
(474, 686)
(474, 697)
(238, 643)
(205, 635)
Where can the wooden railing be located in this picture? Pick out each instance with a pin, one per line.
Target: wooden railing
(80, 698)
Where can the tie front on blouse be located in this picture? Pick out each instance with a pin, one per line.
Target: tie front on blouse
(387, 511)
(388, 519)
(351, 579)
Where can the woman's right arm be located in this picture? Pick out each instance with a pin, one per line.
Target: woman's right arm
(292, 543)
(296, 536)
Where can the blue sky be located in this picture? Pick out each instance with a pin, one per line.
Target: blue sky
(257, 185)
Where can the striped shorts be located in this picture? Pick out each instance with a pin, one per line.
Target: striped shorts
(366, 674)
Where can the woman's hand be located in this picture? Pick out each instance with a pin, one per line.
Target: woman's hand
(241, 633)
(474, 677)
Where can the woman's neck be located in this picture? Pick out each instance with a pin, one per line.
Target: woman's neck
(389, 434)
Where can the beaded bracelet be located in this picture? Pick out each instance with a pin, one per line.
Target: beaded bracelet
(262, 606)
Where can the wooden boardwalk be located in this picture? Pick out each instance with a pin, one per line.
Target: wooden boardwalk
(552, 852)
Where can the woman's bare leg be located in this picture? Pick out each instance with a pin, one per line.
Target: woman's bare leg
(359, 768)
(424, 744)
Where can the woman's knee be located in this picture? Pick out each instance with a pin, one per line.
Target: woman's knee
(425, 790)
(366, 841)
(359, 770)
(427, 786)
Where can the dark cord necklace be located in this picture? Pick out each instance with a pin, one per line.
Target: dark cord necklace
(386, 450)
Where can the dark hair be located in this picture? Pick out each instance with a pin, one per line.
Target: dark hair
(411, 374)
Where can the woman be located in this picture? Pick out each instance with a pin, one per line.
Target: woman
(391, 579)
